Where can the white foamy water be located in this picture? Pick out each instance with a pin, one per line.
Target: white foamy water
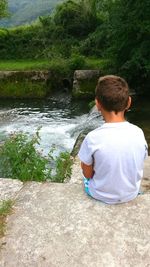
(60, 121)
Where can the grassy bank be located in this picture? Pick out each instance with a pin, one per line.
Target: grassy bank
(21, 65)
(57, 63)
(22, 85)
(24, 88)
(25, 85)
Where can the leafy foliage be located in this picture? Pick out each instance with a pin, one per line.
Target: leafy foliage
(19, 159)
(63, 167)
(130, 48)
(76, 19)
(22, 42)
(77, 62)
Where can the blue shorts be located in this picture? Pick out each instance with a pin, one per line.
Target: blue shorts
(86, 188)
(86, 185)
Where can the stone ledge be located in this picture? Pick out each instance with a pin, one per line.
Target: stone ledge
(9, 188)
(58, 225)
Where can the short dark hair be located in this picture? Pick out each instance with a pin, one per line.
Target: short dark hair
(112, 92)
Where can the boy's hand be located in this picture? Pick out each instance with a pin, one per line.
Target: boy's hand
(88, 171)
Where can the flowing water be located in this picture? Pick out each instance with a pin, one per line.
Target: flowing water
(61, 119)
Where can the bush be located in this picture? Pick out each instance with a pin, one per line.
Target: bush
(97, 42)
(77, 62)
(19, 159)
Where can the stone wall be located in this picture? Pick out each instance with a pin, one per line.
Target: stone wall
(23, 83)
(37, 84)
(84, 83)
(32, 84)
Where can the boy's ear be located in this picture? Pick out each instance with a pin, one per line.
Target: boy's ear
(98, 104)
(129, 103)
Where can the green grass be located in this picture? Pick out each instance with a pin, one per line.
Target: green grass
(96, 63)
(58, 66)
(25, 89)
(22, 65)
(5, 209)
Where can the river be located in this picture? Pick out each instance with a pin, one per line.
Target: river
(61, 119)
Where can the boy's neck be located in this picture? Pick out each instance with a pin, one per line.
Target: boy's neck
(112, 117)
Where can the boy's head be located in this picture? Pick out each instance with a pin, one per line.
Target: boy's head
(112, 92)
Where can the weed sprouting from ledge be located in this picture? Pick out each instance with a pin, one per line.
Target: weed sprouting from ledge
(5, 209)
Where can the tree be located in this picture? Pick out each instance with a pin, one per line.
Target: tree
(130, 41)
(76, 18)
(3, 8)
(98, 40)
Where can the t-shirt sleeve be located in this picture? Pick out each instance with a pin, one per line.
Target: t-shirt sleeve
(85, 152)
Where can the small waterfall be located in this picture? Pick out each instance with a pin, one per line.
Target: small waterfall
(91, 121)
(88, 122)
(61, 120)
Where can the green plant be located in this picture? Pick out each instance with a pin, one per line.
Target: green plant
(5, 209)
(22, 88)
(77, 62)
(130, 46)
(19, 159)
(63, 165)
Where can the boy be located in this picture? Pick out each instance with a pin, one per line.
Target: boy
(112, 155)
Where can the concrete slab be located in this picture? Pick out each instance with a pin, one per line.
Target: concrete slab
(146, 179)
(147, 167)
(9, 188)
(57, 225)
(76, 177)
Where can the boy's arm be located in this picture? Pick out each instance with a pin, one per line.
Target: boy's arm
(88, 170)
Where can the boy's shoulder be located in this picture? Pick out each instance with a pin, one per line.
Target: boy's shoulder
(134, 127)
(126, 126)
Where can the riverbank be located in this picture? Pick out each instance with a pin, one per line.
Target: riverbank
(59, 225)
(39, 78)
(31, 78)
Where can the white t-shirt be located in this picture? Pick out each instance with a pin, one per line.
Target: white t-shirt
(117, 152)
